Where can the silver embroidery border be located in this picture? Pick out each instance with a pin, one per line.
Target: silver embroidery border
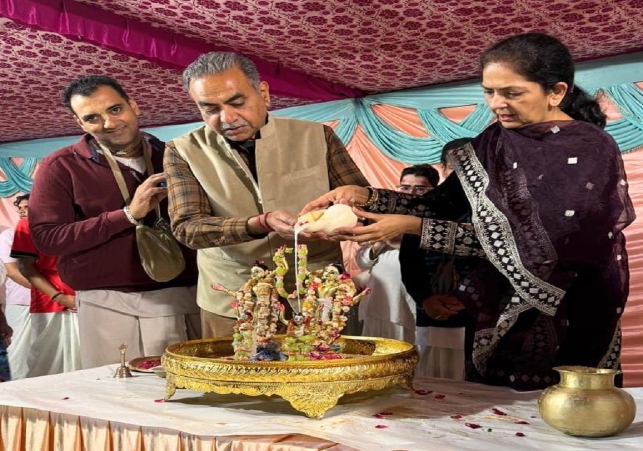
(428, 240)
(474, 181)
(614, 348)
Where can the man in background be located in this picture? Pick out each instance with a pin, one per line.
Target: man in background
(236, 183)
(78, 213)
(440, 341)
(389, 311)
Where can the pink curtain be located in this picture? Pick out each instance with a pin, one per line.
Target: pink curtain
(633, 316)
(84, 22)
(402, 119)
(379, 170)
(34, 429)
(458, 113)
(8, 214)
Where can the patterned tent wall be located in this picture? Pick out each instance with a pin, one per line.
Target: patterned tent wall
(388, 132)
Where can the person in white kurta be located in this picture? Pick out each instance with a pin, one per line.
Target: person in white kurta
(440, 344)
(389, 311)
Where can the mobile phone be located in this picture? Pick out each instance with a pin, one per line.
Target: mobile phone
(162, 185)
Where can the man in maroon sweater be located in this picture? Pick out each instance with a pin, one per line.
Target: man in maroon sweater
(77, 213)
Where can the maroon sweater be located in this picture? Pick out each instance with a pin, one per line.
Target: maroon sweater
(76, 213)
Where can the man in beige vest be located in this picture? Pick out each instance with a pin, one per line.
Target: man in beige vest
(236, 184)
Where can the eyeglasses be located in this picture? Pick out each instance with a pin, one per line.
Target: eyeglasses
(415, 189)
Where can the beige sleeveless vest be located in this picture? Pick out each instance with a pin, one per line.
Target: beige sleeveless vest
(291, 171)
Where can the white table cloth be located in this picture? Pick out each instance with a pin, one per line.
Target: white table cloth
(433, 417)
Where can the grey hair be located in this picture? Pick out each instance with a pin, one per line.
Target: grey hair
(214, 63)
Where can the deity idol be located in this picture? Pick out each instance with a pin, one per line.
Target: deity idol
(321, 301)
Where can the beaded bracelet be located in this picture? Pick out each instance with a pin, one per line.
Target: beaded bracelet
(372, 197)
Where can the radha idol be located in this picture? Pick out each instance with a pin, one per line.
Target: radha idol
(321, 302)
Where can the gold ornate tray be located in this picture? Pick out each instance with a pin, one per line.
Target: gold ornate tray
(311, 387)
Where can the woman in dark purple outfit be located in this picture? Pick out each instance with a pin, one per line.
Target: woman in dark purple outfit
(545, 194)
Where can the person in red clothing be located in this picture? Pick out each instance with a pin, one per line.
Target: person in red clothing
(55, 346)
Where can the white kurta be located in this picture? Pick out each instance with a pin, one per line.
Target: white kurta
(389, 311)
(55, 347)
(147, 322)
(441, 352)
(19, 319)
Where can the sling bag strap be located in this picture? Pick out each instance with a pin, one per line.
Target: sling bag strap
(118, 174)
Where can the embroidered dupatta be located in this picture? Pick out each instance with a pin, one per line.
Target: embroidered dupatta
(548, 204)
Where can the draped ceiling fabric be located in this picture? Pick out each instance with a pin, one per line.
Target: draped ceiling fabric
(35, 54)
(37, 37)
(307, 50)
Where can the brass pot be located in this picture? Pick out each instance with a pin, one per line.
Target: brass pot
(586, 403)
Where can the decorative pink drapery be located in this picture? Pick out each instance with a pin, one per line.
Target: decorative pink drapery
(632, 323)
(8, 213)
(79, 21)
(34, 429)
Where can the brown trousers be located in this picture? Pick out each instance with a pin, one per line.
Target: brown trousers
(215, 326)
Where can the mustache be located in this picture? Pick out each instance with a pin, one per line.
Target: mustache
(226, 126)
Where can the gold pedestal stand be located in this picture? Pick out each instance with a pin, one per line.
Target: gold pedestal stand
(312, 387)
